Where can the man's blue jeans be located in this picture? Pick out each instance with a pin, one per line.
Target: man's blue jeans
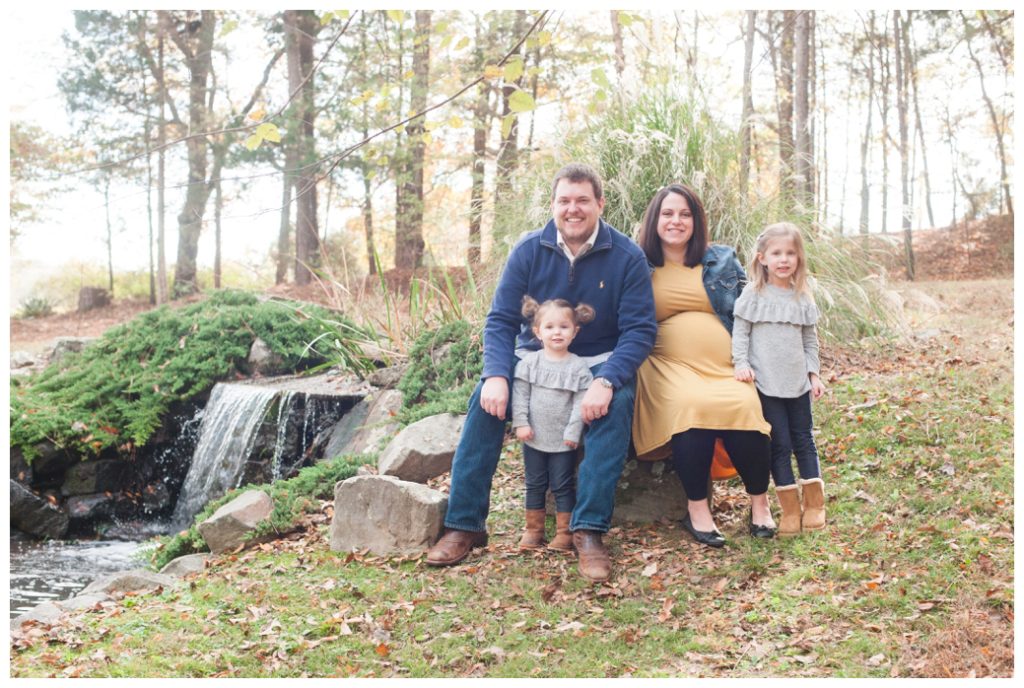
(605, 444)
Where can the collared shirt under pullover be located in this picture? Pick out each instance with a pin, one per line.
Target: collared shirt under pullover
(613, 277)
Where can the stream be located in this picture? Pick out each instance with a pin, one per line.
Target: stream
(58, 570)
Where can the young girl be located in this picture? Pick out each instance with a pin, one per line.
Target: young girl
(547, 389)
(775, 346)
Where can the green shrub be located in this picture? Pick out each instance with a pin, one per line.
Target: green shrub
(115, 393)
(444, 367)
(292, 498)
(36, 307)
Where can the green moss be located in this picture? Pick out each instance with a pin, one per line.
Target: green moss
(114, 394)
(292, 498)
(444, 367)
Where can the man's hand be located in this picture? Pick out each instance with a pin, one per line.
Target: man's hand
(524, 433)
(494, 396)
(595, 402)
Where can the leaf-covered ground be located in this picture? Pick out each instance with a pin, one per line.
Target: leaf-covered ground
(912, 577)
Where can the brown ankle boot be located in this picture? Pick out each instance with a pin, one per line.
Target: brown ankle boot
(563, 537)
(814, 503)
(533, 536)
(789, 500)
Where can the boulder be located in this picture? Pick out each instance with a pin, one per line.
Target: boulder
(62, 346)
(386, 378)
(49, 461)
(90, 477)
(182, 566)
(92, 297)
(46, 613)
(156, 497)
(83, 601)
(20, 468)
(361, 429)
(648, 491)
(423, 450)
(36, 516)
(386, 515)
(135, 580)
(262, 359)
(22, 359)
(225, 530)
(90, 507)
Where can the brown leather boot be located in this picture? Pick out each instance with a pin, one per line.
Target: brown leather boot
(533, 536)
(454, 546)
(814, 503)
(789, 500)
(563, 537)
(594, 563)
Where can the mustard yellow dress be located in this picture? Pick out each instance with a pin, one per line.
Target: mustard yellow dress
(687, 381)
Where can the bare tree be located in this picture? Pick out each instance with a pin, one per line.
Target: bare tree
(748, 102)
(409, 208)
(902, 106)
(803, 162)
(865, 142)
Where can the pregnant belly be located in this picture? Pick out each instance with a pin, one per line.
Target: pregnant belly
(696, 339)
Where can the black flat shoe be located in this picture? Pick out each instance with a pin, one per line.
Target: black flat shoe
(763, 532)
(710, 538)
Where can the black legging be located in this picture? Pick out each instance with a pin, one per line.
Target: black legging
(693, 450)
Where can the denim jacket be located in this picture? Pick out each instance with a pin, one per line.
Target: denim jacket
(724, 279)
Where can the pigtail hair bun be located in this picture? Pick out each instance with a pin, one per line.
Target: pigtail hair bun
(584, 313)
(530, 307)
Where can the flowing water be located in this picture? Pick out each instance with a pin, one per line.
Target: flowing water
(52, 571)
(226, 436)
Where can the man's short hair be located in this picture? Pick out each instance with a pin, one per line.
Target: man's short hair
(578, 172)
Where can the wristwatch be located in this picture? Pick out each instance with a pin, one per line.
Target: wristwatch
(604, 382)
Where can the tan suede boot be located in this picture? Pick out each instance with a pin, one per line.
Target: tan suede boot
(814, 503)
(789, 500)
(563, 537)
(533, 537)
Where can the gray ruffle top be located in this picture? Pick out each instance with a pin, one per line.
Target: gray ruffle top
(775, 335)
(546, 395)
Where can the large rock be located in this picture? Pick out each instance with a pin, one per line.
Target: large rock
(423, 450)
(49, 461)
(36, 516)
(46, 614)
(386, 515)
(91, 477)
(225, 530)
(20, 468)
(182, 566)
(361, 429)
(648, 491)
(22, 359)
(135, 580)
(262, 359)
(90, 507)
(62, 346)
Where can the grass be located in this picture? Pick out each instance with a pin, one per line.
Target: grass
(912, 577)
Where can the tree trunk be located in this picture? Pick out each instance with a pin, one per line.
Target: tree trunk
(996, 127)
(197, 50)
(865, 143)
(284, 230)
(409, 215)
(748, 102)
(508, 151)
(620, 53)
(161, 177)
(911, 68)
(218, 205)
(884, 69)
(481, 125)
(110, 236)
(784, 89)
(301, 28)
(902, 102)
(803, 164)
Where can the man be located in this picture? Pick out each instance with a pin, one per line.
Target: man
(577, 257)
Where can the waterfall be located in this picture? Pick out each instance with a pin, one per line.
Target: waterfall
(226, 435)
(284, 409)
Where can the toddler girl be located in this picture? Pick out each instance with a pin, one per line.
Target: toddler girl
(547, 389)
(775, 346)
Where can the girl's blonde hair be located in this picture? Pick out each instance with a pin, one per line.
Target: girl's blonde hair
(758, 274)
(581, 313)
